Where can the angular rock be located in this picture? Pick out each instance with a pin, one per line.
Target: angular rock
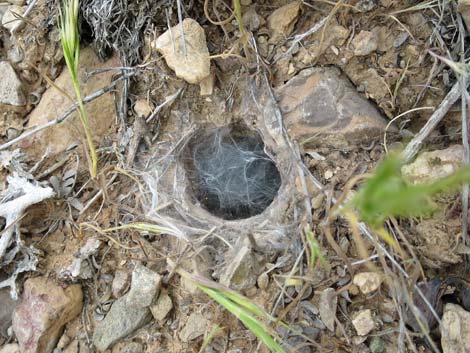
(44, 310)
(120, 283)
(241, 270)
(10, 21)
(101, 111)
(142, 108)
(252, 20)
(464, 10)
(7, 305)
(281, 22)
(455, 329)
(10, 86)
(368, 282)
(10, 348)
(195, 327)
(364, 43)
(430, 166)
(321, 105)
(195, 65)
(162, 307)
(129, 312)
(327, 307)
(79, 267)
(363, 322)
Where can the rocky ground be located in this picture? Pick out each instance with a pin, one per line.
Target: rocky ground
(329, 87)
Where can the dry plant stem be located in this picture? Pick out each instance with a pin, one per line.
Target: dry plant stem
(415, 144)
(299, 37)
(64, 115)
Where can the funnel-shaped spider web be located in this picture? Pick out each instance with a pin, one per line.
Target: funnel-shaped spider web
(231, 175)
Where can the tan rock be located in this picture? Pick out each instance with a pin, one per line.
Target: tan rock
(195, 65)
(363, 322)
(368, 282)
(44, 310)
(455, 329)
(101, 111)
(430, 166)
(10, 20)
(464, 10)
(142, 108)
(195, 327)
(162, 307)
(281, 22)
(10, 348)
(364, 43)
(322, 102)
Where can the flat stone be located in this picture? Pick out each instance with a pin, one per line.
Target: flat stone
(241, 270)
(455, 329)
(7, 305)
(320, 105)
(368, 282)
(101, 111)
(162, 307)
(120, 283)
(364, 43)
(129, 312)
(10, 86)
(327, 306)
(431, 166)
(195, 327)
(281, 22)
(44, 310)
(195, 65)
(363, 322)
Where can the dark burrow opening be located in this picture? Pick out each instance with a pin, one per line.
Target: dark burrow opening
(229, 172)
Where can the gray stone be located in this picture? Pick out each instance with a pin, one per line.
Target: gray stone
(241, 270)
(128, 347)
(129, 312)
(195, 327)
(7, 306)
(327, 306)
(162, 307)
(321, 105)
(10, 86)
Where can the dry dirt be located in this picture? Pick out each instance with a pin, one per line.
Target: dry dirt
(382, 49)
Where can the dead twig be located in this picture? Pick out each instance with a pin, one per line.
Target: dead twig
(415, 144)
(64, 115)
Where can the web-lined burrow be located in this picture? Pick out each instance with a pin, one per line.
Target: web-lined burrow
(229, 172)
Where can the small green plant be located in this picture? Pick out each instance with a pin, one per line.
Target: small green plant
(314, 251)
(387, 194)
(251, 315)
(68, 30)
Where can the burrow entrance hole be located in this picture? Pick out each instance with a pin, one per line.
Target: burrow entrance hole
(229, 172)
